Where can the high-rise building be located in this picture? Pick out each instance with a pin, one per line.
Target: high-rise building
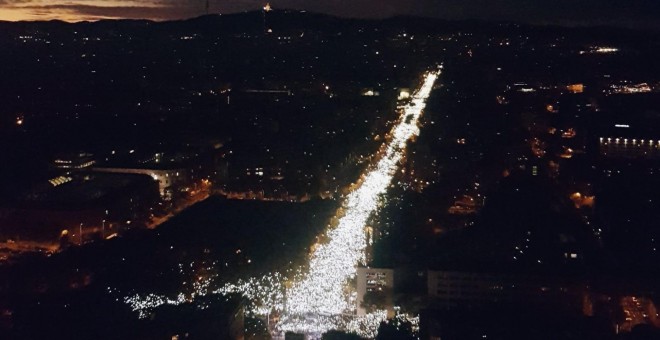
(375, 280)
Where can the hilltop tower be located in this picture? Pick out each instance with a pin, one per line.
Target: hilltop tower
(267, 9)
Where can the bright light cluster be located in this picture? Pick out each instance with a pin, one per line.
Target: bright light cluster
(413, 320)
(266, 295)
(365, 326)
(322, 291)
(144, 304)
(319, 300)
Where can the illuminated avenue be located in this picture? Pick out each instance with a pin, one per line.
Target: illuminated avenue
(333, 263)
(316, 302)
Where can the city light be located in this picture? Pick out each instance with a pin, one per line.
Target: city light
(332, 264)
(319, 300)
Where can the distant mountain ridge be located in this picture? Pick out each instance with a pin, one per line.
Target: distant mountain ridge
(246, 22)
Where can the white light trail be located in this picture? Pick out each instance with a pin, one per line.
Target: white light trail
(322, 291)
(318, 301)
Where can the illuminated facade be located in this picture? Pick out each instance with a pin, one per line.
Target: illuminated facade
(374, 280)
(77, 161)
(575, 88)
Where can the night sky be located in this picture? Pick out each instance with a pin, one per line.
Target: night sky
(628, 13)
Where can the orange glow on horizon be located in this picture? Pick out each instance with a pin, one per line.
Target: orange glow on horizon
(29, 14)
(75, 11)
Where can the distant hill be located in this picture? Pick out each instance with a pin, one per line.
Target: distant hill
(286, 20)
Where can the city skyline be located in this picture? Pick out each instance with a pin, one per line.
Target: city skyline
(633, 14)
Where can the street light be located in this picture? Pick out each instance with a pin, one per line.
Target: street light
(81, 238)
